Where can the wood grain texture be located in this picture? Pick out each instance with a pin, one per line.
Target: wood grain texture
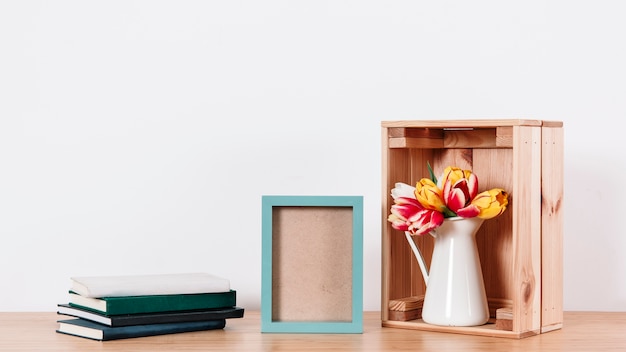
(504, 319)
(552, 227)
(468, 123)
(407, 315)
(504, 136)
(581, 332)
(526, 249)
(406, 303)
(405, 142)
(495, 238)
(521, 250)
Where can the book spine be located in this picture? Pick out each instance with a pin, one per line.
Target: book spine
(161, 329)
(131, 319)
(168, 303)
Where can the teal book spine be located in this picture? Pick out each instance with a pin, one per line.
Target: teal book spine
(156, 303)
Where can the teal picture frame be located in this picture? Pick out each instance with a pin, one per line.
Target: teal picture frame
(312, 264)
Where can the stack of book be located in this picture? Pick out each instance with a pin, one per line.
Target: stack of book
(117, 307)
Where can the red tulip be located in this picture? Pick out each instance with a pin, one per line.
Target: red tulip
(459, 189)
(407, 214)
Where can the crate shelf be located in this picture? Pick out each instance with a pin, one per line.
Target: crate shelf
(520, 251)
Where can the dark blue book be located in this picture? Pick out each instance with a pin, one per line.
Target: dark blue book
(151, 318)
(91, 330)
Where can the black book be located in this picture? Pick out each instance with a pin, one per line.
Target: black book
(151, 318)
(91, 330)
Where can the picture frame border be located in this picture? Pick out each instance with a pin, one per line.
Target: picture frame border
(268, 324)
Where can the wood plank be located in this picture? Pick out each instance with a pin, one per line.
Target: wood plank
(400, 263)
(526, 229)
(433, 133)
(504, 319)
(405, 315)
(408, 142)
(583, 331)
(495, 237)
(504, 137)
(552, 227)
(418, 159)
(552, 124)
(386, 202)
(464, 138)
(397, 265)
(406, 303)
(498, 303)
(463, 123)
(482, 330)
(475, 138)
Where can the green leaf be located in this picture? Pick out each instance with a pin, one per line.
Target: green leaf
(447, 213)
(432, 174)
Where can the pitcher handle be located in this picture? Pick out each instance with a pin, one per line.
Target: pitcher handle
(418, 256)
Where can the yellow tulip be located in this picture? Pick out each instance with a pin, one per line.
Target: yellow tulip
(429, 195)
(491, 203)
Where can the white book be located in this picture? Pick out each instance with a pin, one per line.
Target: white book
(156, 284)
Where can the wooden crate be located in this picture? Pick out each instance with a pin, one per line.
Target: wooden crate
(520, 251)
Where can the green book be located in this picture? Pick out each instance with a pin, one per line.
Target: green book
(154, 303)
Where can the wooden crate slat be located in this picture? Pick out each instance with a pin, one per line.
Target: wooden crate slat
(415, 132)
(408, 142)
(527, 229)
(466, 123)
(501, 137)
(504, 136)
(552, 227)
(474, 138)
(406, 303)
(495, 237)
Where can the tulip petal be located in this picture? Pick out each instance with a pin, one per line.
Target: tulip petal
(460, 187)
(403, 190)
(408, 214)
(429, 221)
(429, 195)
(398, 223)
(404, 211)
(469, 211)
(491, 203)
(472, 185)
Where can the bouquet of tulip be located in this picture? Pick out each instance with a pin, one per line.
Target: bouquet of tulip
(421, 209)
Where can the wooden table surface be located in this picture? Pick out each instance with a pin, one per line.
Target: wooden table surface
(582, 331)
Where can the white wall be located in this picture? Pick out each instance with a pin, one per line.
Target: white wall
(139, 136)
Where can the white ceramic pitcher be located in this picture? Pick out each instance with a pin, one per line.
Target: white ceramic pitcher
(455, 290)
